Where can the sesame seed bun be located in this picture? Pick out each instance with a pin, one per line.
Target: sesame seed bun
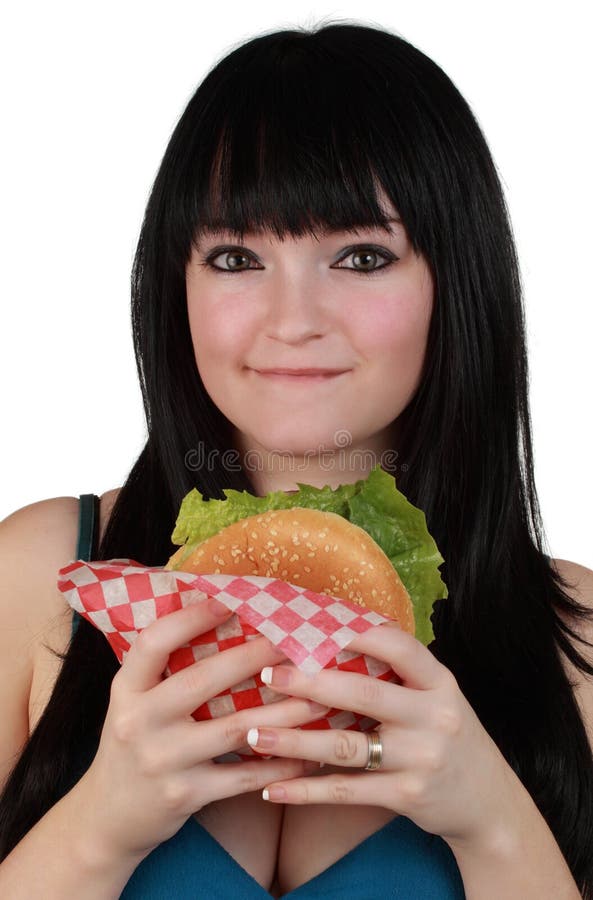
(318, 550)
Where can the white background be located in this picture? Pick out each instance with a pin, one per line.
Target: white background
(90, 95)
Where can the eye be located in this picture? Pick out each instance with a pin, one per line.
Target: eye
(367, 258)
(234, 256)
(364, 258)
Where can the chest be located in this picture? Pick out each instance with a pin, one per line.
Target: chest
(282, 847)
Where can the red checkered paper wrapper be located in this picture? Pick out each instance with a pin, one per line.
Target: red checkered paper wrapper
(120, 597)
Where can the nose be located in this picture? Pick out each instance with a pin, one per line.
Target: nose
(294, 313)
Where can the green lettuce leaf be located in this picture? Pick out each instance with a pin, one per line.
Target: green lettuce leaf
(373, 503)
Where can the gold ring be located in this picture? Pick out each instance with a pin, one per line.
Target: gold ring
(375, 750)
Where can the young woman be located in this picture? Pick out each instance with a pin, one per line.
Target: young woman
(326, 201)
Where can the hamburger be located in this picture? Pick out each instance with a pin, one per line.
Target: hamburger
(362, 542)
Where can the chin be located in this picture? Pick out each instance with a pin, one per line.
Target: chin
(292, 444)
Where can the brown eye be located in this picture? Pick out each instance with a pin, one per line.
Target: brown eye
(365, 260)
(236, 261)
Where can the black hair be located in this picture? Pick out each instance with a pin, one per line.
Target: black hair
(293, 131)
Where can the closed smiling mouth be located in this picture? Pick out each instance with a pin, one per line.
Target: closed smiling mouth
(302, 373)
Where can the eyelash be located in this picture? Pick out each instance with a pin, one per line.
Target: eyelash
(363, 248)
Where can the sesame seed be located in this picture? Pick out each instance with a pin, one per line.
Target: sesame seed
(307, 569)
(273, 531)
(326, 548)
(311, 555)
(294, 557)
(254, 534)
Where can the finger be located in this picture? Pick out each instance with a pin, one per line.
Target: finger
(332, 747)
(190, 743)
(381, 700)
(409, 658)
(230, 779)
(341, 748)
(184, 691)
(365, 789)
(147, 658)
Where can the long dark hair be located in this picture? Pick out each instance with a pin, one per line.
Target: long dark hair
(294, 131)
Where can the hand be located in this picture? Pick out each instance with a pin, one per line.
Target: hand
(154, 765)
(439, 768)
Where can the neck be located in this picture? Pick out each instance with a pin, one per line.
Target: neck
(283, 471)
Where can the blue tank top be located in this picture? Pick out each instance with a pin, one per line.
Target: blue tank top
(400, 861)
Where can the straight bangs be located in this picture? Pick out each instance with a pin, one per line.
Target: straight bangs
(264, 149)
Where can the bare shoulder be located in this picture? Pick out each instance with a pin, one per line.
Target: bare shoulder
(35, 542)
(579, 585)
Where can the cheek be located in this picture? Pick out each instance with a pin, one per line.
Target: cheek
(395, 328)
(217, 329)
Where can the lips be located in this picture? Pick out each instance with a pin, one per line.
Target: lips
(300, 380)
(300, 372)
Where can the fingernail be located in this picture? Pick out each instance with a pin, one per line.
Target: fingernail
(217, 608)
(266, 674)
(318, 708)
(280, 674)
(312, 766)
(259, 737)
(274, 793)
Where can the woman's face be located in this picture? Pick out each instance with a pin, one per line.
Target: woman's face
(308, 303)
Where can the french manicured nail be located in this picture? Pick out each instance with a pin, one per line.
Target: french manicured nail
(274, 793)
(281, 675)
(259, 737)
